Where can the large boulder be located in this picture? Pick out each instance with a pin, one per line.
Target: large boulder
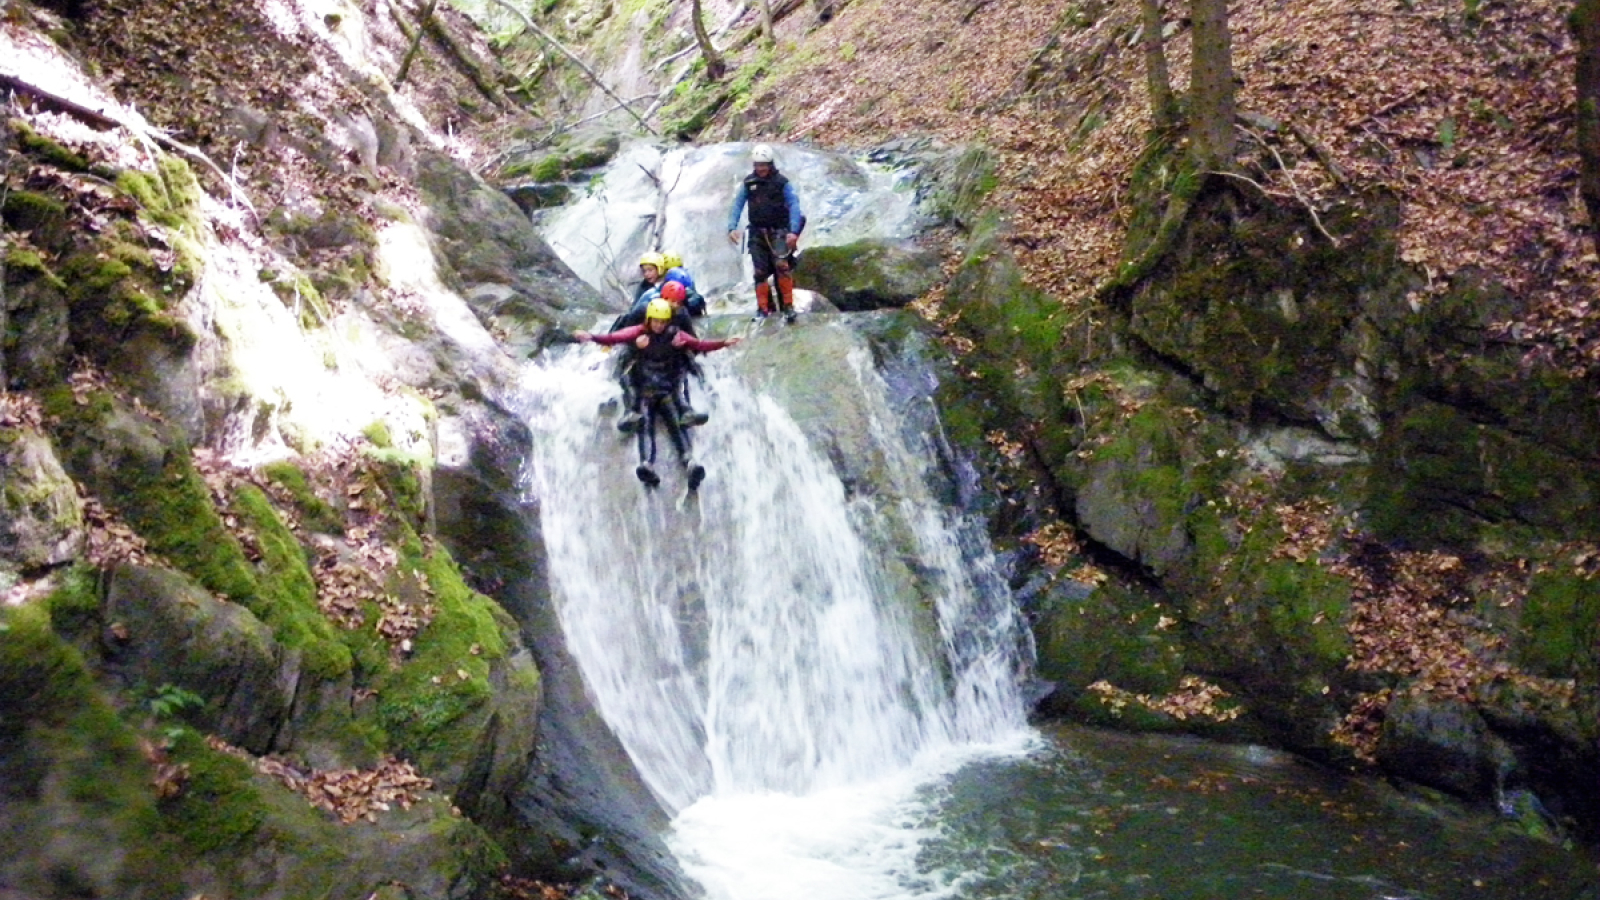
(869, 274)
(163, 629)
(35, 342)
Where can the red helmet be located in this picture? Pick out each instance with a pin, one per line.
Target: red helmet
(674, 292)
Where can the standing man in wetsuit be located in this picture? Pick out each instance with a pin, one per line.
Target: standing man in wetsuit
(661, 361)
(775, 222)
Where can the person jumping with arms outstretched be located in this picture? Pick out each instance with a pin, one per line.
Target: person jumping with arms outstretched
(661, 361)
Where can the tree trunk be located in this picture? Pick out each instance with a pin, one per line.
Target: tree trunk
(1163, 107)
(416, 42)
(715, 67)
(1585, 23)
(1211, 86)
(767, 32)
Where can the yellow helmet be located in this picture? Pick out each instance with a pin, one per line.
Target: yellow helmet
(652, 259)
(658, 309)
(670, 260)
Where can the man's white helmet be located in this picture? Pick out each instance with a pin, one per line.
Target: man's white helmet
(761, 154)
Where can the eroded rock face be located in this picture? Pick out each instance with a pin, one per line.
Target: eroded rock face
(515, 283)
(36, 317)
(1445, 744)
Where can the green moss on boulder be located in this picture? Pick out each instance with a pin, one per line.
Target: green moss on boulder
(143, 470)
(80, 812)
(463, 705)
(1560, 627)
(286, 595)
(316, 514)
(46, 150)
(218, 807)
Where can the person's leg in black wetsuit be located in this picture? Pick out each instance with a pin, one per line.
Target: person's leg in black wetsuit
(649, 404)
(681, 441)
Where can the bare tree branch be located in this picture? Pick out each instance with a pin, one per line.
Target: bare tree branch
(582, 66)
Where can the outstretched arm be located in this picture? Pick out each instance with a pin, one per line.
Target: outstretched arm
(684, 340)
(615, 337)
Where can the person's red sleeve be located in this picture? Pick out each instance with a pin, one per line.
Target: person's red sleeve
(618, 337)
(697, 345)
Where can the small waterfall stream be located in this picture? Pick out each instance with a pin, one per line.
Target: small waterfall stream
(755, 648)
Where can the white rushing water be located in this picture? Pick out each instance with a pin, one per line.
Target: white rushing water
(755, 648)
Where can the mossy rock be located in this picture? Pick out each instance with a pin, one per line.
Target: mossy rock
(119, 303)
(45, 150)
(573, 153)
(1559, 631)
(252, 837)
(36, 331)
(464, 704)
(170, 195)
(41, 517)
(1441, 477)
(962, 185)
(286, 596)
(80, 812)
(142, 470)
(1444, 744)
(1136, 490)
(1263, 316)
(316, 514)
(37, 213)
(1016, 332)
(869, 274)
(218, 807)
(169, 631)
(1113, 632)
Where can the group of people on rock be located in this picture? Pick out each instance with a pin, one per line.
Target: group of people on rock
(658, 330)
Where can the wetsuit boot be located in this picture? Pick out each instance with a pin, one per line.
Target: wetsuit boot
(763, 299)
(786, 296)
(647, 475)
(695, 471)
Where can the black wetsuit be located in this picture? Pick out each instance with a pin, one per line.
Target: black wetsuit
(658, 370)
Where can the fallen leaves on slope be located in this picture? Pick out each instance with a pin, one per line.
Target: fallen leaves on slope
(1465, 113)
(20, 411)
(351, 795)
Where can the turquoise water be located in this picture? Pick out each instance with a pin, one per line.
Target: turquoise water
(1095, 815)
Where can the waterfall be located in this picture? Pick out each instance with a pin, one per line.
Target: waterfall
(758, 639)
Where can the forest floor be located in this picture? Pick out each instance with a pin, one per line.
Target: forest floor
(1463, 111)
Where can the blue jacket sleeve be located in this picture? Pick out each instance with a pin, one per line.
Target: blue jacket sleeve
(792, 200)
(739, 200)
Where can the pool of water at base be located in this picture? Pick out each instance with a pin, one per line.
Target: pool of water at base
(1098, 815)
